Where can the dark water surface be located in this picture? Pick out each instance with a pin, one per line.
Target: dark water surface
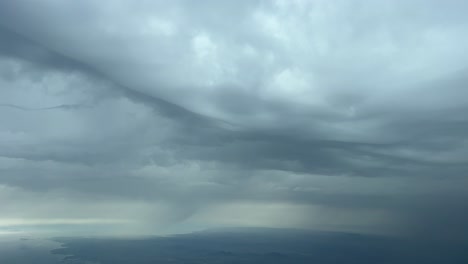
(272, 246)
(237, 246)
(21, 249)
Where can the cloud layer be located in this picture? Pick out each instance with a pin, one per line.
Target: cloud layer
(344, 115)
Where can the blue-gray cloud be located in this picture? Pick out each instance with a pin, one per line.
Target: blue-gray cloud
(346, 109)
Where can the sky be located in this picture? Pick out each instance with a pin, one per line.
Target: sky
(147, 117)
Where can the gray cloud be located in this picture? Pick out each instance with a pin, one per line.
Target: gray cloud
(339, 110)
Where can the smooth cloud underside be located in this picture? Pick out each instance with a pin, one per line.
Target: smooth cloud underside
(184, 114)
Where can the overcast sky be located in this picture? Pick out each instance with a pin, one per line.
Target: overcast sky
(151, 116)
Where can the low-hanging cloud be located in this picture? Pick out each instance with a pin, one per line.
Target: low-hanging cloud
(343, 110)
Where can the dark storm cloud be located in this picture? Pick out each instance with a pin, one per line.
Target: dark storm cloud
(17, 46)
(346, 106)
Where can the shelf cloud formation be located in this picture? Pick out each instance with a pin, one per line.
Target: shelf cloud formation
(182, 115)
